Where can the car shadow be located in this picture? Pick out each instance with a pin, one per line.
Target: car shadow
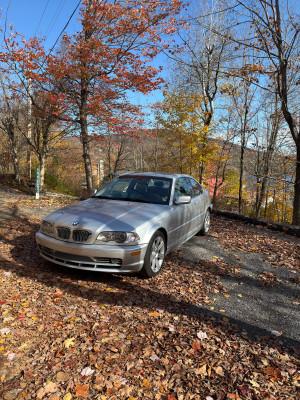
(26, 262)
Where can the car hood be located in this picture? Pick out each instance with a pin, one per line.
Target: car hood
(102, 214)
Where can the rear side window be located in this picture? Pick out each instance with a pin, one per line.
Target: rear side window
(196, 187)
(183, 187)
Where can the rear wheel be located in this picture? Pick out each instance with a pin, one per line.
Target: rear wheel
(154, 256)
(206, 224)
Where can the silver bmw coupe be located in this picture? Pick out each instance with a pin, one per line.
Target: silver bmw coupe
(127, 226)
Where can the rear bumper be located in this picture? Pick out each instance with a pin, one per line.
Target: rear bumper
(102, 258)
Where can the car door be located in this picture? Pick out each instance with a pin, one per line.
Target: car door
(198, 204)
(181, 214)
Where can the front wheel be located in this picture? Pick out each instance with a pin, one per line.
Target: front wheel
(154, 256)
(206, 224)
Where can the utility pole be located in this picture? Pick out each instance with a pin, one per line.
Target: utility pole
(29, 128)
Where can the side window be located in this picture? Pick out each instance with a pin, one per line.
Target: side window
(183, 187)
(196, 187)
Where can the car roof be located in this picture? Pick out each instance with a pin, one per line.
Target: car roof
(154, 174)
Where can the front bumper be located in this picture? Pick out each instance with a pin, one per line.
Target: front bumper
(103, 258)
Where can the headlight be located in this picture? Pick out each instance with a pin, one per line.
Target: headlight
(47, 228)
(118, 237)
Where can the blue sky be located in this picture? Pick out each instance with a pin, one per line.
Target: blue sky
(40, 17)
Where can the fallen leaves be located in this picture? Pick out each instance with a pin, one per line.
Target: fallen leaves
(279, 252)
(81, 390)
(69, 342)
(201, 335)
(267, 278)
(87, 371)
(273, 372)
(71, 335)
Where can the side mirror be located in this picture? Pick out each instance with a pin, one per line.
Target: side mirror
(183, 200)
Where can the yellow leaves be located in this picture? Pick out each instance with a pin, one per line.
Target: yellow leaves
(69, 342)
(296, 377)
(146, 383)
(25, 305)
(67, 396)
(23, 346)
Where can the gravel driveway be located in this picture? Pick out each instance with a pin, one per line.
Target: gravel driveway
(256, 308)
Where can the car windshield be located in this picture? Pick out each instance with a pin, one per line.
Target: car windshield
(143, 189)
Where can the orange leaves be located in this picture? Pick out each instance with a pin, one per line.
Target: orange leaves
(82, 390)
(274, 373)
(154, 314)
(196, 345)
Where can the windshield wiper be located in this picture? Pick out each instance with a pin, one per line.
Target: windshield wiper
(102, 197)
(139, 200)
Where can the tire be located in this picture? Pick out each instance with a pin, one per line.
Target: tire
(154, 256)
(206, 224)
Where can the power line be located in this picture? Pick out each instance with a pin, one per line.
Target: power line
(55, 16)
(65, 27)
(62, 31)
(41, 17)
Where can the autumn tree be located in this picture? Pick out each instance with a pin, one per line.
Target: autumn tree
(199, 68)
(265, 145)
(109, 56)
(218, 167)
(9, 121)
(96, 67)
(181, 121)
(276, 42)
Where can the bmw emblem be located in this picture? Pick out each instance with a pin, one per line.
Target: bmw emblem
(75, 223)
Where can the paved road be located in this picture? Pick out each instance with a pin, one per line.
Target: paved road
(256, 309)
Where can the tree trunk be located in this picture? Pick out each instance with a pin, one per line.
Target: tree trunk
(16, 163)
(85, 137)
(267, 161)
(296, 203)
(42, 160)
(87, 157)
(13, 145)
